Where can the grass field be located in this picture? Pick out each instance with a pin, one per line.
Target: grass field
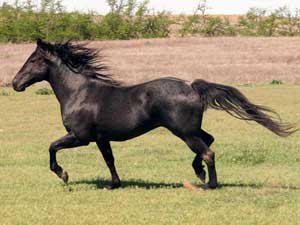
(258, 172)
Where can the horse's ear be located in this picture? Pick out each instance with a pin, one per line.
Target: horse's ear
(39, 42)
(43, 45)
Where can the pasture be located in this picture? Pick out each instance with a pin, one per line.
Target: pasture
(258, 171)
(237, 60)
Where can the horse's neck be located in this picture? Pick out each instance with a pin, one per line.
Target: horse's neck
(65, 83)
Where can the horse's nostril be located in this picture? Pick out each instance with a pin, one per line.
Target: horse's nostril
(14, 83)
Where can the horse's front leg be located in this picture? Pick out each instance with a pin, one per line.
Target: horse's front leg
(107, 154)
(68, 141)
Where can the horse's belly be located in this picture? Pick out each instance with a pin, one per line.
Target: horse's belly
(123, 133)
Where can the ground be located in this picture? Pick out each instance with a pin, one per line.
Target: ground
(258, 171)
(238, 60)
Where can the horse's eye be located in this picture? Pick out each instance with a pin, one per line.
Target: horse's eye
(32, 60)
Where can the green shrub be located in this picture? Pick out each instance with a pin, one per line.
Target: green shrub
(44, 91)
(289, 22)
(210, 26)
(155, 26)
(22, 25)
(252, 23)
(129, 19)
(216, 26)
(191, 25)
(260, 22)
(3, 93)
(115, 26)
(276, 82)
(133, 20)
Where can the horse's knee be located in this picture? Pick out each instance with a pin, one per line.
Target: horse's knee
(52, 148)
(209, 158)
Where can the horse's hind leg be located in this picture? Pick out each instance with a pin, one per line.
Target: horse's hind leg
(199, 168)
(68, 141)
(198, 146)
(107, 154)
(197, 163)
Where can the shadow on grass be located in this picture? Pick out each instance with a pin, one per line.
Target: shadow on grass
(102, 183)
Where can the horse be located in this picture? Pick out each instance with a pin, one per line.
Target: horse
(97, 108)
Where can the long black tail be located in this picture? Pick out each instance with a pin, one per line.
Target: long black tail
(232, 101)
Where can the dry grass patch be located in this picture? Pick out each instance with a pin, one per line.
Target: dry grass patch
(227, 60)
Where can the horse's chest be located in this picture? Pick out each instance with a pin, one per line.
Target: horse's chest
(77, 120)
(66, 119)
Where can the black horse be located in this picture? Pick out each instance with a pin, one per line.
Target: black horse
(96, 108)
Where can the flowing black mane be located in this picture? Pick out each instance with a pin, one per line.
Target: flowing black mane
(83, 60)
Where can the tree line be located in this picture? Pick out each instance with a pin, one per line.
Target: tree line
(257, 22)
(25, 22)
(129, 19)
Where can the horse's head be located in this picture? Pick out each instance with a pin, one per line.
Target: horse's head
(36, 68)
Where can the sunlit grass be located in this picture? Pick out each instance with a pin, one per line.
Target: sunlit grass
(258, 172)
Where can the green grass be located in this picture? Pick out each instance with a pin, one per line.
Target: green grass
(3, 92)
(258, 172)
(44, 91)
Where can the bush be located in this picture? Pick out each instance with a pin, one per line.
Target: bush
(276, 82)
(133, 21)
(289, 22)
(67, 26)
(250, 24)
(216, 26)
(21, 25)
(44, 91)
(155, 26)
(191, 25)
(260, 22)
(129, 19)
(115, 26)
(210, 26)
(3, 93)
(18, 25)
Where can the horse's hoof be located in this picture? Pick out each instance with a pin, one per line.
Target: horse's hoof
(112, 186)
(204, 187)
(65, 177)
(213, 185)
(208, 186)
(201, 187)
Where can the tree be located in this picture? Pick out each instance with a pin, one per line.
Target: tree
(116, 6)
(197, 22)
(202, 7)
(52, 6)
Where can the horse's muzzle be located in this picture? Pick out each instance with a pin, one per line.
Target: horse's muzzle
(18, 87)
